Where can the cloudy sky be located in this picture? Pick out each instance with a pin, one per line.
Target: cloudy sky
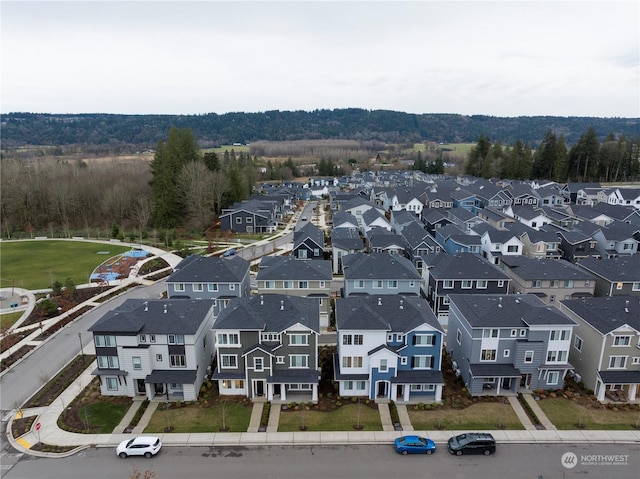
(505, 58)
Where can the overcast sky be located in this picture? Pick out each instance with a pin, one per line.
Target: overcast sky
(508, 58)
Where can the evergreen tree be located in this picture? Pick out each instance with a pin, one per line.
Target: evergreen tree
(477, 156)
(211, 161)
(561, 161)
(545, 157)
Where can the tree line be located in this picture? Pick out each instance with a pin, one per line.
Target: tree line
(616, 158)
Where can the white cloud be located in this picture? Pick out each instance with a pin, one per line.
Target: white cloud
(505, 58)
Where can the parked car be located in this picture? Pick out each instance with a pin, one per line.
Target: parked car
(414, 445)
(229, 252)
(304, 218)
(472, 443)
(146, 446)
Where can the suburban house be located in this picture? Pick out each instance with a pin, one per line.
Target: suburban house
(539, 244)
(550, 280)
(381, 240)
(418, 243)
(379, 273)
(435, 219)
(521, 194)
(625, 197)
(528, 215)
(344, 241)
(605, 348)
(617, 239)
(210, 277)
(374, 219)
(389, 347)
(267, 348)
(453, 240)
(406, 199)
(550, 196)
(496, 243)
(249, 217)
(401, 219)
(358, 206)
(462, 273)
(304, 278)
(495, 218)
(619, 213)
(576, 246)
(501, 344)
(464, 219)
(308, 242)
(342, 220)
(438, 199)
(158, 348)
(614, 276)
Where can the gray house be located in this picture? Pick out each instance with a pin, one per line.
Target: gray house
(379, 273)
(249, 217)
(217, 278)
(500, 344)
(267, 347)
(344, 241)
(605, 347)
(614, 276)
(308, 242)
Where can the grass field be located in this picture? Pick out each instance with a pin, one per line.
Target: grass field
(197, 419)
(37, 264)
(342, 419)
(221, 149)
(566, 414)
(484, 415)
(105, 416)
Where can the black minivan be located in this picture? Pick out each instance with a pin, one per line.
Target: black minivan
(472, 443)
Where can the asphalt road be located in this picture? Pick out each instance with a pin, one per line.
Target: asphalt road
(339, 462)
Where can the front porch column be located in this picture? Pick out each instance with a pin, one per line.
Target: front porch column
(601, 390)
(148, 390)
(283, 392)
(269, 392)
(438, 396)
(314, 393)
(406, 392)
(632, 391)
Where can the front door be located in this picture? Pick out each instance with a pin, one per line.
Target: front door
(276, 390)
(525, 381)
(159, 388)
(506, 383)
(141, 387)
(399, 392)
(382, 389)
(258, 387)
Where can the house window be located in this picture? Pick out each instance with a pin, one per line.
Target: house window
(358, 283)
(228, 361)
(316, 252)
(523, 333)
(358, 339)
(347, 339)
(528, 356)
(102, 341)
(108, 362)
(424, 340)
(635, 360)
(270, 337)
(446, 300)
(488, 355)
(198, 287)
(537, 283)
(177, 361)
(490, 333)
(506, 353)
(557, 356)
(159, 358)
(238, 220)
(514, 332)
(634, 287)
(137, 362)
(577, 343)
(560, 334)
(248, 219)
(302, 253)
(555, 283)
(481, 284)
(152, 338)
(303, 284)
(322, 285)
(553, 378)
(412, 284)
(617, 362)
(389, 338)
(229, 339)
(112, 384)
(403, 360)
(143, 338)
(258, 364)
(500, 283)
(178, 287)
(377, 283)
(466, 284)
(299, 339)
(176, 339)
(459, 336)
(392, 283)
(269, 284)
(422, 362)
(279, 359)
(621, 340)
(383, 366)
(448, 284)
(619, 285)
(299, 361)
(232, 286)
(568, 283)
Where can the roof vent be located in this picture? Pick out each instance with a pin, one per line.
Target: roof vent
(165, 308)
(146, 305)
(282, 305)
(401, 304)
(379, 301)
(517, 301)
(626, 306)
(500, 302)
(261, 300)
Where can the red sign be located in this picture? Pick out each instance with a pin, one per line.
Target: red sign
(37, 426)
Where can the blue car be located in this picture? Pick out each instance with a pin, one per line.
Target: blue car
(414, 445)
(229, 252)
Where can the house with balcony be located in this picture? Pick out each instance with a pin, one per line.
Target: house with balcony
(502, 344)
(304, 278)
(158, 349)
(606, 345)
(379, 274)
(550, 280)
(389, 347)
(267, 348)
(614, 276)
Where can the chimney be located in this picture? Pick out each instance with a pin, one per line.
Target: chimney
(401, 304)
(282, 305)
(379, 301)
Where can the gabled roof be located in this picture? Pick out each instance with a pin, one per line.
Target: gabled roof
(462, 214)
(382, 238)
(415, 235)
(372, 215)
(463, 266)
(528, 212)
(342, 217)
(346, 239)
(435, 216)
(358, 201)
(290, 268)
(403, 217)
(269, 312)
(256, 207)
(154, 316)
(384, 313)
(574, 237)
(551, 269)
(620, 269)
(535, 236)
(607, 313)
(507, 311)
(618, 212)
(378, 266)
(308, 231)
(202, 269)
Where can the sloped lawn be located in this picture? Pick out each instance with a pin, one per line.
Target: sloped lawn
(344, 418)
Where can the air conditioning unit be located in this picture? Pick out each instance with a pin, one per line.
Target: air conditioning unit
(457, 373)
(577, 377)
(454, 364)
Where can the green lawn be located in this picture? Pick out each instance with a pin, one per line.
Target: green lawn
(483, 415)
(341, 419)
(565, 414)
(198, 419)
(105, 415)
(36, 264)
(7, 320)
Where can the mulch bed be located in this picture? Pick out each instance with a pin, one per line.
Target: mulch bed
(50, 391)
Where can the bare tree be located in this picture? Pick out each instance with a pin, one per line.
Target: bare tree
(194, 188)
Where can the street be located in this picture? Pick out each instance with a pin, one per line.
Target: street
(338, 462)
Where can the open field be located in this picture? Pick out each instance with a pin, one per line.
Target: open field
(38, 264)
(221, 149)
(7, 320)
(343, 418)
(482, 415)
(566, 414)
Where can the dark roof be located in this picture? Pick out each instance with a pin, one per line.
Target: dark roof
(507, 311)
(372, 215)
(385, 312)
(269, 312)
(201, 269)
(154, 316)
(343, 217)
(290, 268)
(378, 266)
(494, 370)
(414, 234)
(347, 239)
(463, 266)
(418, 376)
(311, 231)
(620, 377)
(170, 376)
(552, 269)
(622, 268)
(377, 239)
(607, 313)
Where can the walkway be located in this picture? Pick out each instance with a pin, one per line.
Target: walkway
(521, 413)
(537, 410)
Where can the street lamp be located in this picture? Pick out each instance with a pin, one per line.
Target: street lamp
(81, 350)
